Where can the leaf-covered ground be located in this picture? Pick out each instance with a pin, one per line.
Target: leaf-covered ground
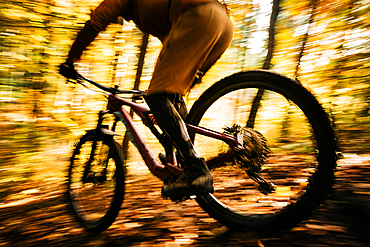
(37, 216)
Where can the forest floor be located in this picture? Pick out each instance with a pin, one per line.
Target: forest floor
(33, 210)
(37, 216)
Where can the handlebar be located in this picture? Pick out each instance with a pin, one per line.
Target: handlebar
(112, 90)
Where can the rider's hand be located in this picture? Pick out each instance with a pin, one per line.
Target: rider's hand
(67, 69)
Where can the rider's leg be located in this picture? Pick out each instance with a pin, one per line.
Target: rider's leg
(196, 40)
(172, 123)
(196, 178)
(181, 108)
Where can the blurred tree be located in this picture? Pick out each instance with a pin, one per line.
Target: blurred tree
(267, 63)
(325, 44)
(310, 21)
(243, 14)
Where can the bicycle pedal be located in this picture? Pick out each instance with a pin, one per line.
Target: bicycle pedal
(267, 188)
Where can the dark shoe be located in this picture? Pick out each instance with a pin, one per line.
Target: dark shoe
(195, 180)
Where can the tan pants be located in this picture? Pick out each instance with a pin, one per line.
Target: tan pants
(197, 39)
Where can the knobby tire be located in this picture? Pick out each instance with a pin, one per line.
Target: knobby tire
(115, 183)
(318, 184)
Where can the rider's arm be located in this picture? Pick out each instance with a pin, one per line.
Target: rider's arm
(84, 38)
(107, 12)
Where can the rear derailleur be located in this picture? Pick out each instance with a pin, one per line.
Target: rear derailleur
(252, 156)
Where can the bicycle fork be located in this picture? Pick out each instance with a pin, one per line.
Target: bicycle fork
(100, 130)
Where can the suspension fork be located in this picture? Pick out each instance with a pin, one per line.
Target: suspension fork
(99, 128)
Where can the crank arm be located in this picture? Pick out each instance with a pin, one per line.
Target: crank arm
(265, 186)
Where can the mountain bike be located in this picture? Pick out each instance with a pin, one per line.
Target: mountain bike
(272, 164)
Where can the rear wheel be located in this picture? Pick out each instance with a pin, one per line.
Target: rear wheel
(95, 181)
(302, 146)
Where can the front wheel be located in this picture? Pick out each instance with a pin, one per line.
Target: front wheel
(302, 157)
(96, 181)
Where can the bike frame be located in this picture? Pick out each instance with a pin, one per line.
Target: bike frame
(115, 106)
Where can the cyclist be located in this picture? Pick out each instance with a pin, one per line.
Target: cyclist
(194, 34)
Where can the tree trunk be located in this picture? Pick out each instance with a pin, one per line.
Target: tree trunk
(139, 71)
(266, 64)
(313, 4)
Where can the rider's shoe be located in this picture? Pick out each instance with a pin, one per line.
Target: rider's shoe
(195, 180)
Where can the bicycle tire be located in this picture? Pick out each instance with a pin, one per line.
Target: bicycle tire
(314, 188)
(104, 186)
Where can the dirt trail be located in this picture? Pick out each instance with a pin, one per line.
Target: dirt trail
(41, 218)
